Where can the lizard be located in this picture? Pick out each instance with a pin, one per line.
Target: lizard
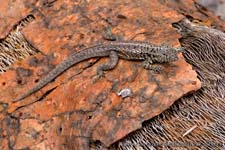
(128, 50)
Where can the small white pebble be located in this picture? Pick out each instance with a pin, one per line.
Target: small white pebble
(124, 93)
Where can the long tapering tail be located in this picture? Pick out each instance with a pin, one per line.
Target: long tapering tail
(91, 52)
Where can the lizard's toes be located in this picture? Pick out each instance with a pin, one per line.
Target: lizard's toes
(146, 65)
(157, 69)
(99, 75)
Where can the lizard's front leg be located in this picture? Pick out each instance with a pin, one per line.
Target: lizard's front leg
(148, 64)
(113, 60)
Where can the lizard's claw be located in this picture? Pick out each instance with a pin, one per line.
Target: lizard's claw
(155, 68)
(99, 75)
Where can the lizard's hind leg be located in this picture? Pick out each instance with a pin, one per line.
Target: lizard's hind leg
(148, 65)
(113, 60)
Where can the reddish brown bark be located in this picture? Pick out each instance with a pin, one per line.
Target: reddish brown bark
(79, 107)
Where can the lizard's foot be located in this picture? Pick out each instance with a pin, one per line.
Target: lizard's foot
(113, 59)
(100, 74)
(157, 69)
(154, 68)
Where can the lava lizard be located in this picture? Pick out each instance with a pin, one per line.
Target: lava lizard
(129, 50)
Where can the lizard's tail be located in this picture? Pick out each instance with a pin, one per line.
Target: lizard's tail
(91, 52)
